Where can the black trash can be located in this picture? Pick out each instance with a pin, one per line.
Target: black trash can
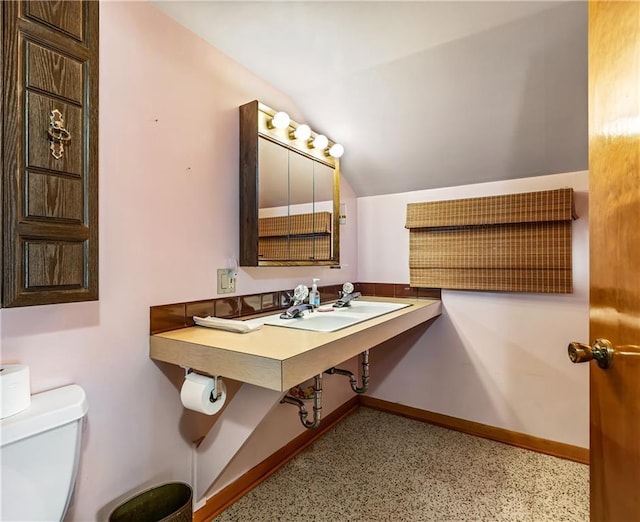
(170, 502)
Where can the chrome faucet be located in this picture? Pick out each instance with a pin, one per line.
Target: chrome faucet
(345, 300)
(295, 311)
(300, 293)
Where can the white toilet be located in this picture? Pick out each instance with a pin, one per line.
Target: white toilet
(40, 449)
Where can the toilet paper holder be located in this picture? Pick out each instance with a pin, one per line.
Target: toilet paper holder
(216, 392)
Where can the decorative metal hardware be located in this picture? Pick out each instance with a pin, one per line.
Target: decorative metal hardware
(58, 135)
(602, 351)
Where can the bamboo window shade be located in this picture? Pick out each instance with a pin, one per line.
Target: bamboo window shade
(295, 237)
(295, 224)
(294, 248)
(508, 243)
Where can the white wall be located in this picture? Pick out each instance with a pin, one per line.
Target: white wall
(495, 358)
(168, 218)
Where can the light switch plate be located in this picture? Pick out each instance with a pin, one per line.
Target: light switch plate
(226, 284)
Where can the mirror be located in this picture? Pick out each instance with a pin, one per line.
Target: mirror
(289, 196)
(295, 205)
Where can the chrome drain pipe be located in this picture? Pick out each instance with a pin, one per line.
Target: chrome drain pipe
(317, 404)
(352, 378)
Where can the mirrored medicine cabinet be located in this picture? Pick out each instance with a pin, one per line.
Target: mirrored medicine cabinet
(289, 195)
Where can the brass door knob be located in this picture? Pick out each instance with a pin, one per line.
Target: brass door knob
(602, 351)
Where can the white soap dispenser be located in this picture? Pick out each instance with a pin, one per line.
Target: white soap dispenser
(314, 295)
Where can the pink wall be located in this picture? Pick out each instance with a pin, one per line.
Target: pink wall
(498, 359)
(168, 218)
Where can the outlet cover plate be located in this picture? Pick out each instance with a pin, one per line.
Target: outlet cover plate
(226, 284)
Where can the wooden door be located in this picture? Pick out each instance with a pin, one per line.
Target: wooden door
(49, 151)
(614, 221)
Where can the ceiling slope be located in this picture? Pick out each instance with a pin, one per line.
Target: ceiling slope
(421, 94)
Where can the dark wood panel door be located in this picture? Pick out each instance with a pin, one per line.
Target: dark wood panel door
(50, 152)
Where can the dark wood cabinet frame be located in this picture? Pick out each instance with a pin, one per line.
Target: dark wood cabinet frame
(249, 190)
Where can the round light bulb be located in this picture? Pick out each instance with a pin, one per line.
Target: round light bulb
(280, 120)
(336, 151)
(320, 142)
(303, 132)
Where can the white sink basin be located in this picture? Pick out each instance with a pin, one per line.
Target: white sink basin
(333, 318)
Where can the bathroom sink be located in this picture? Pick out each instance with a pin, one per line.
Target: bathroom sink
(333, 319)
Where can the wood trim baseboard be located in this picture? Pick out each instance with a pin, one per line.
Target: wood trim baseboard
(514, 438)
(231, 493)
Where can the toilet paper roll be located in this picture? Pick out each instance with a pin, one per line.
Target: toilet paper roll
(15, 389)
(196, 394)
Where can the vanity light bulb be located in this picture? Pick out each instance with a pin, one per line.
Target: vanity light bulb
(320, 142)
(303, 132)
(336, 151)
(280, 120)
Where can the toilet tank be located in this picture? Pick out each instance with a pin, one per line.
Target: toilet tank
(39, 451)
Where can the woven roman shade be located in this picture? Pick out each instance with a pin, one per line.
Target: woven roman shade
(295, 248)
(295, 225)
(298, 237)
(509, 243)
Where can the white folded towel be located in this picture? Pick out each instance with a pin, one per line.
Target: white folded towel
(225, 324)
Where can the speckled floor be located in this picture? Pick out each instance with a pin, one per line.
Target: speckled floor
(374, 466)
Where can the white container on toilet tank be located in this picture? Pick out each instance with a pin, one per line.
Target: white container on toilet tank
(15, 389)
(40, 450)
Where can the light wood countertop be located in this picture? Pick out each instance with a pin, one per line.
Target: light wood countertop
(278, 358)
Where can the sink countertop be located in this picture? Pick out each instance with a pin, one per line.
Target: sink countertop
(278, 358)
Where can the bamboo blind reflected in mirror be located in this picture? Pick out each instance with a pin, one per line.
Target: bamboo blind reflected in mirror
(295, 237)
(508, 243)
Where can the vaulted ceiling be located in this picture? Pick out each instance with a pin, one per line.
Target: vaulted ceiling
(421, 94)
